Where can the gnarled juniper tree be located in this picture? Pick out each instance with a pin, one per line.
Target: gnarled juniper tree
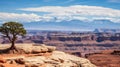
(12, 30)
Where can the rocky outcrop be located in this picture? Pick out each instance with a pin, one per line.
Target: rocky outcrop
(49, 58)
(57, 59)
(36, 48)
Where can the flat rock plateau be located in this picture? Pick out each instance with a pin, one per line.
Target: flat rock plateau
(40, 56)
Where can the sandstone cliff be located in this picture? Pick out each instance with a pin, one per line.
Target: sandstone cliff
(42, 56)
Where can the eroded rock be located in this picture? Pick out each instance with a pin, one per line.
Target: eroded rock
(56, 59)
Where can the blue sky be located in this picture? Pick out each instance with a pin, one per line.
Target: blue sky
(75, 15)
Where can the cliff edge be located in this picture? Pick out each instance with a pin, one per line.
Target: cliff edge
(41, 56)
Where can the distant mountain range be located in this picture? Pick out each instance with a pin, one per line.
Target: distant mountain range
(73, 25)
(107, 30)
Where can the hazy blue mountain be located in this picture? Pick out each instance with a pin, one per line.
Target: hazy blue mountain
(75, 25)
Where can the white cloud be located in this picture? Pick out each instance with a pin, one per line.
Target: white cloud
(19, 17)
(59, 13)
(79, 12)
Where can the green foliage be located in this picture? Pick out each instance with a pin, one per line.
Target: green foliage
(12, 29)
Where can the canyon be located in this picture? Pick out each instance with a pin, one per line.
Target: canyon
(89, 45)
(78, 43)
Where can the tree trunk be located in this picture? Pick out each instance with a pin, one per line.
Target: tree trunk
(12, 45)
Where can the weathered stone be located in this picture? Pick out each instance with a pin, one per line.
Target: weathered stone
(71, 60)
(51, 62)
(20, 61)
(56, 59)
(34, 60)
(36, 49)
(44, 50)
(11, 62)
(51, 48)
(39, 49)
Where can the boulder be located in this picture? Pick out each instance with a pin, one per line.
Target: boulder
(36, 49)
(20, 61)
(44, 49)
(12, 62)
(51, 48)
(39, 49)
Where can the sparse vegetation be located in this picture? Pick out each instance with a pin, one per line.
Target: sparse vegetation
(12, 30)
